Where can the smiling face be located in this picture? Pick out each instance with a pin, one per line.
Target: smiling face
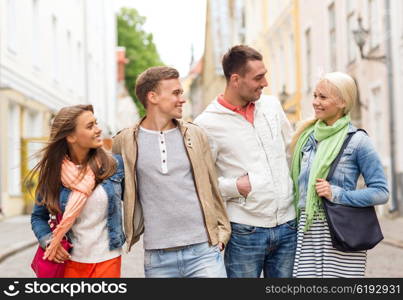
(87, 134)
(168, 98)
(327, 103)
(251, 84)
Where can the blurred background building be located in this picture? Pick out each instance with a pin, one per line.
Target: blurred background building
(59, 53)
(52, 54)
(303, 40)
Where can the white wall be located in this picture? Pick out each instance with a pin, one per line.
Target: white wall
(80, 31)
(52, 54)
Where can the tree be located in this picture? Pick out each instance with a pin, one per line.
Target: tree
(140, 49)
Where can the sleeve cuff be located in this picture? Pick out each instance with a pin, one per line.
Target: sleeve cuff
(228, 188)
(45, 240)
(336, 193)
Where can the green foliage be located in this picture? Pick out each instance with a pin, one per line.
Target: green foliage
(140, 48)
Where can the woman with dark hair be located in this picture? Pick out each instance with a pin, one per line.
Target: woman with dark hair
(79, 179)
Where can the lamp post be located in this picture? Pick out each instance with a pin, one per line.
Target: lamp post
(283, 96)
(360, 37)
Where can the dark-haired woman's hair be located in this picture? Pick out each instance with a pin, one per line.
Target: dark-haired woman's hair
(49, 167)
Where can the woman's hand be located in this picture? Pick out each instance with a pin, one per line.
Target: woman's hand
(323, 188)
(59, 256)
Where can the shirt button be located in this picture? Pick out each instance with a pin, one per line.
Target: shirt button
(163, 161)
(163, 151)
(162, 142)
(161, 132)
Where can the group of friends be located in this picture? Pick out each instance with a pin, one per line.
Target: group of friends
(237, 193)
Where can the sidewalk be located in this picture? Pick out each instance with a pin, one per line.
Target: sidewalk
(16, 234)
(392, 229)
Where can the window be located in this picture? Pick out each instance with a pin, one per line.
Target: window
(273, 80)
(376, 114)
(11, 26)
(291, 67)
(282, 70)
(221, 25)
(69, 60)
(241, 17)
(350, 6)
(14, 150)
(401, 19)
(78, 77)
(332, 37)
(33, 129)
(55, 50)
(374, 23)
(36, 34)
(351, 46)
(308, 47)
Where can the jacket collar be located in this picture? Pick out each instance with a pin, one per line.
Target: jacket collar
(183, 126)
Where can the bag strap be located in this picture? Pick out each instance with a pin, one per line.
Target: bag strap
(338, 157)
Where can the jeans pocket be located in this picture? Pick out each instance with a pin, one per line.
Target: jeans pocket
(203, 249)
(242, 229)
(148, 259)
(293, 225)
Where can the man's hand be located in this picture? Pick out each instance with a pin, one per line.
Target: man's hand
(221, 246)
(323, 188)
(243, 185)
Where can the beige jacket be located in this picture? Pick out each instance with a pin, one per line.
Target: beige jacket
(204, 174)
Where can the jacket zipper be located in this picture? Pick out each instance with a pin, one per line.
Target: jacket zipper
(197, 191)
(135, 186)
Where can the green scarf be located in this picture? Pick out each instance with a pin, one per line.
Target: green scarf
(330, 139)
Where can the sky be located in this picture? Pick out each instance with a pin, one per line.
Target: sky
(176, 25)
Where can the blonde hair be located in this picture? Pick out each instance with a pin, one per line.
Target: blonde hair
(346, 88)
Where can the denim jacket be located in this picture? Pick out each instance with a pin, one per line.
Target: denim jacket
(113, 187)
(359, 157)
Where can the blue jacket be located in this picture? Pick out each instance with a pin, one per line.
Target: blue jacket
(113, 187)
(359, 157)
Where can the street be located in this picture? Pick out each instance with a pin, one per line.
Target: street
(383, 261)
(18, 265)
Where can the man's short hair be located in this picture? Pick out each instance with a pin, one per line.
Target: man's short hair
(149, 80)
(236, 59)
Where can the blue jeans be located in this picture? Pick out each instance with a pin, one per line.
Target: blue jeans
(197, 260)
(252, 250)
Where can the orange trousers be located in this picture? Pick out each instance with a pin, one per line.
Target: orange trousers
(106, 269)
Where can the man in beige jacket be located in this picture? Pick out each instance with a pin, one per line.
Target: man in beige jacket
(171, 188)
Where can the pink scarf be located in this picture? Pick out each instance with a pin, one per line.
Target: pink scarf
(81, 187)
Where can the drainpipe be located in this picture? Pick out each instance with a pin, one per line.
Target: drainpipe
(1, 142)
(389, 66)
(85, 49)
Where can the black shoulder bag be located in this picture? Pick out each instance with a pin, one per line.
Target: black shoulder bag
(351, 228)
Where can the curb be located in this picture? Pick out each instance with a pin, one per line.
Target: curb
(17, 247)
(393, 243)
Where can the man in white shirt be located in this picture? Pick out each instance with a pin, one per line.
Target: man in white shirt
(248, 135)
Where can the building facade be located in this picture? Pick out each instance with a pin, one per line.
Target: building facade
(325, 30)
(228, 23)
(52, 54)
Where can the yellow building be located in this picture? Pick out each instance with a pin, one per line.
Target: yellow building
(271, 27)
(282, 51)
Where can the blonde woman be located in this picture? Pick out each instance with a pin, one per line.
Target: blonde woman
(314, 147)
